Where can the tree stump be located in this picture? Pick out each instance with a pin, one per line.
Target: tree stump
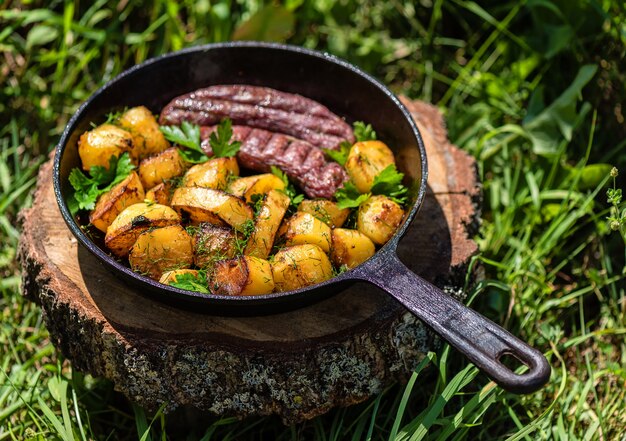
(297, 364)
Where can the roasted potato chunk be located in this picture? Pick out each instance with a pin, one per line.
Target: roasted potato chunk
(163, 166)
(350, 247)
(299, 266)
(109, 205)
(96, 146)
(213, 206)
(160, 193)
(258, 184)
(214, 173)
(267, 221)
(243, 276)
(212, 244)
(326, 211)
(365, 161)
(304, 228)
(378, 218)
(161, 249)
(144, 128)
(169, 277)
(134, 220)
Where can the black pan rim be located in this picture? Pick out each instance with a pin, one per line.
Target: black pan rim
(357, 273)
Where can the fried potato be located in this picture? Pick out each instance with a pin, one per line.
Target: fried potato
(160, 193)
(378, 218)
(350, 247)
(144, 128)
(212, 244)
(299, 266)
(243, 276)
(365, 161)
(326, 211)
(161, 249)
(109, 205)
(257, 184)
(215, 173)
(169, 277)
(304, 228)
(273, 209)
(163, 166)
(134, 220)
(96, 146)
(213, 206)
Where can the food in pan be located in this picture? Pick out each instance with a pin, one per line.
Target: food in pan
(237, 190)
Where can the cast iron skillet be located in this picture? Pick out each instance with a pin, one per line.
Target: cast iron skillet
(351, 93)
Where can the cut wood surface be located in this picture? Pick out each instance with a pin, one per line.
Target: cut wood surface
(297, 364)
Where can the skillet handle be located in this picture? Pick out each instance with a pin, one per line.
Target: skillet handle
(479, 339)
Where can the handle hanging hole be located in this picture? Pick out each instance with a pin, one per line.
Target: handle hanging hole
(511, 361)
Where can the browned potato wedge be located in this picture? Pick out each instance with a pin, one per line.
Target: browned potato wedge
(258, 184)
(243, 276)
(268, 220)
(350, 247)
(213, 206)
(163, 166)
(378, 218)
(169, 277)
(212, 244)
(109, 205)
(299, 266)
(303, 228)
(160, 193)
(366, 160)
(161, 249)
(326, 211)
(215, 173)
(96, 146)
(143, 126)
(134, 220)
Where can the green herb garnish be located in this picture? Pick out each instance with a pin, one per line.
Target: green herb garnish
(339, 156)
(88, 189)
(389, 183)
(220, 140)
(289, 190)
(192, 282)
(363, 132)
(187, 136)
(349, 197)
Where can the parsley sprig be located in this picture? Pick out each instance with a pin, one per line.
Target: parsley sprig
(220, 140)
(192, 282)
(349, 197)
(289, 190)
(87, 189)
(362, 132)
(339, 156)
(388, 183)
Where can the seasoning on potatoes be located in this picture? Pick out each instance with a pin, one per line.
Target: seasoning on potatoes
(109, 205)
(303, 228)
(268, 219)
(134, 220)
(365, 161)
(350, 248)
(169, 277)
(160, 193)
(161, 249)
(212, 244)
(378, 218)
(299, 266)
(326, 211)
(144, 128)
(161, 167)
(243, 276)
(215, 173)
(96, 146)
(255, 185)
(213, 206)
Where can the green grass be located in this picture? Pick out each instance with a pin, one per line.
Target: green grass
(533, 90)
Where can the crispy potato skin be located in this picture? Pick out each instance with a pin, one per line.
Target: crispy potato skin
(326, 211)
(169, 277)
(109, 205)
(161, 249)
(163, 166)
(304, 228)
(212, 244)
(378, 218)
(134, 220)
(243, 276)
(299, 266)
(96, 146)
(214, 173)
(253, 185)
(160, 193)
(350, 247)
(213, 206)
(266, 224)
(366, 160)
(144, 128)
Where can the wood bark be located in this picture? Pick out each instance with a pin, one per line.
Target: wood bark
(297, 364)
